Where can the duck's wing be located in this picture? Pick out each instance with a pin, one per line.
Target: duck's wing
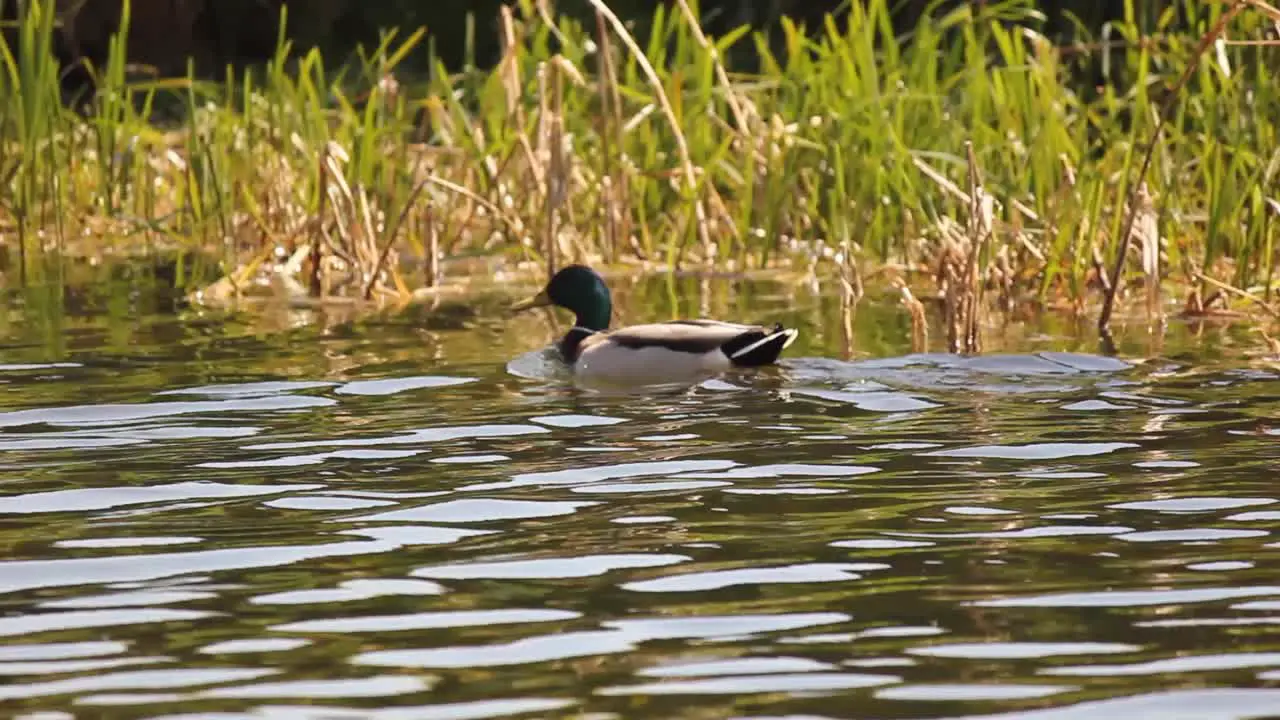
(697, 337)
(679, 351)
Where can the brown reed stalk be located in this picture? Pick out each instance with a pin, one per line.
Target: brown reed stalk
(722, 76)
(1131, 206)
(1147, 228)
(614, 180)
(981, 216)
(433, 249)
(682, 144)
(919, 319)
(557, 183)
(851, 291)
(317, 239)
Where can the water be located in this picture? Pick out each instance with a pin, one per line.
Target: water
(297, 516)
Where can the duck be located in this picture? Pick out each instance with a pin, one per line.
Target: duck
(677, 351)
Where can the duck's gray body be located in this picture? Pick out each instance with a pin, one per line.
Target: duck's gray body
(679, 351)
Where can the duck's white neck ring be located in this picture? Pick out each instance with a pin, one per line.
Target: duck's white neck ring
(583, 330)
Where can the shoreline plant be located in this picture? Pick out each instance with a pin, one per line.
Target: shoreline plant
(962, 162)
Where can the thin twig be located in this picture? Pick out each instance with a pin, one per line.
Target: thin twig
(1269, 309)
(391, 237)
(464, 192)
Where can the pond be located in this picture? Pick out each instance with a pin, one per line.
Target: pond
(292, 515)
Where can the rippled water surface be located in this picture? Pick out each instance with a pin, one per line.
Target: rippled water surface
(411, 516)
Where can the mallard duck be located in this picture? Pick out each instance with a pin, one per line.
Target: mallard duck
(676, 351)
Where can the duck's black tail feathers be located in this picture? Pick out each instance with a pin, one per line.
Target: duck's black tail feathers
(759, 347)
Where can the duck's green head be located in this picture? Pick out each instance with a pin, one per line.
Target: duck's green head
(579, 289)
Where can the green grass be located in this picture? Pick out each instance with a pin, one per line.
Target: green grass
(846, 147)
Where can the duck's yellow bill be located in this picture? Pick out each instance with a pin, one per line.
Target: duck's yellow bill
(539, 300)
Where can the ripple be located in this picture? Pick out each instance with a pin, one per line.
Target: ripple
(977, 511)
(1034, 451)
(581, 476)
(1221, 566)
(1256, 516)
(873, 401)
(1086, 363)
(126, 542)
(785, 470)
(1166, 464)
(784, 491)
(1192, 504)
(249, 389)
(668, 438)
(55, 441)
(1191, 535)
(351, 591)
(1207, 622)
(904, 446)
(705, 627)
(80, 500)
(479, 510)
(254, 645)
(880, 544)
(428, 621)
(132, 680)
(940, 692)
(137, 598)
(311, 459)
(738, 666)
(1048, 531)
(719, 579)
(61, 651)
(22, 367)
(544, 364)
(576, 421)
(370, 687)
(563, 646)
(412, 437)
(1061, 475)
(1020, 650)
(31, 574)
(410, 535)
(326, 503)
(175, 432)
(1184, 664)
(548, 568)
(61, 667)
(1258, 605)
(1095, 406)
(643, 519)
(30, 624)
(819, 639)
(393, 386)
(755, 684)
(476, 710)
(1213, 704)
(78, 415)
(470, 459)
(1130, 598)
(900, 631)
(649, 487)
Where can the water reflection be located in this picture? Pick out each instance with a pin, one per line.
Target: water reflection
(373, 523)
